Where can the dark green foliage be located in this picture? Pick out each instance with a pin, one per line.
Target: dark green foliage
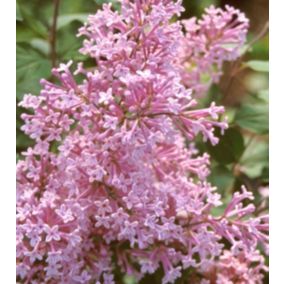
(253, 118)
(230, 147)
(32, 65)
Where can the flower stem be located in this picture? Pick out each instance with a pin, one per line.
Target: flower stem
(53, 53)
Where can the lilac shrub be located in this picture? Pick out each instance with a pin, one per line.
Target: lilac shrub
(111, 183)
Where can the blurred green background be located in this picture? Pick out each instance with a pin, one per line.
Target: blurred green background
(242, 155)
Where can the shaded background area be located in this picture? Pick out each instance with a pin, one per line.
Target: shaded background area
(242, 155)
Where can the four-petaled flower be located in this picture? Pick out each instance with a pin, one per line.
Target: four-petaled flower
(52, 233)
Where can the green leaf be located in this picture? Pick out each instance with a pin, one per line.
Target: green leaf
(253, 118)
(24, 33)
(23, 141)
(68, 44)
(265, 174)
(229, 114)
(255, 158)
(31, 67)
(101, 2)
(260, 49)
(33, 23)
(263, 95)
(73, 7)
(258, 65)
(41, 45)
(129, 280)
(64, 20)
(256, 81)
(222, 178)
(19, 16)
(230, 147)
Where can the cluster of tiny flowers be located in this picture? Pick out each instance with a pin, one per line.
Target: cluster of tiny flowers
(231, 269)
(112, 182)
(219, 36)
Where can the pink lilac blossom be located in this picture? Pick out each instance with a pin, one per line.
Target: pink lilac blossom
(217, 37)
(110, 183)
(236, 269)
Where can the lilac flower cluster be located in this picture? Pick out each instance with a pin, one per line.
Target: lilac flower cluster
(219, 36)
(111, 182)
(243, 268)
